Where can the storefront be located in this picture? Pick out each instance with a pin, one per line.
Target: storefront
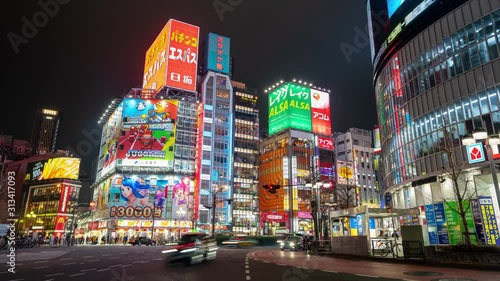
(305, 223)
(274, 223)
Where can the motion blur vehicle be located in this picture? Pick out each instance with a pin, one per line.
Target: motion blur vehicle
(240, 241)
(294, 243)
(192, 248)
(141, 241)
(281, 239)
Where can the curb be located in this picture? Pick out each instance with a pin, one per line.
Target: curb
(464, 265)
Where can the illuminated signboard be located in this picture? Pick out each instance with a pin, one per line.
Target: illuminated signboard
(320, 104)
(148, 133)
(376, 140)
(218, 53)
(325, 143)
(109, 141)
(135, 196)
(198, 159)
(182, 61)
(54, 168)
(345, 173)
(393, 5)
(290, 107)
(172, 59)
(475, 153)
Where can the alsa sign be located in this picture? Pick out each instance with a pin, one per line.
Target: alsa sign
(325, 143)
(286, 98)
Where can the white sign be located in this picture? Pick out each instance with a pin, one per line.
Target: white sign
(285, 167)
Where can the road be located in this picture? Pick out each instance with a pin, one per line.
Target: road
(129, 263)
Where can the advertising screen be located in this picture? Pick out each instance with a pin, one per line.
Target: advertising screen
(148, 133)
(325, 143)
(393, 5)
(320, 104)
(109, 140)
(345, 173)
(155, 68)
(218, 53)
(182, 60)
(290, 107)
(54, 168)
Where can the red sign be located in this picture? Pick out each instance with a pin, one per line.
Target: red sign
(275, 217)
(198, 156)
(182, 60)
(325, 143)
(63, 201)
(320, 109)
(60, 223)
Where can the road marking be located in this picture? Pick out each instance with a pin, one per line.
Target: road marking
(69, 263)
(246, 266)
(247, 271)
(40, 267)
(159, 259)
(40, 261)
(138, 261)
(115, 265)
(127, 265)
(89, 269)
(106, 255)
(364, 275)
(100, 270)
(55, 274)
(248, 277)
(78, 274)
(331, 271)
(65, 259)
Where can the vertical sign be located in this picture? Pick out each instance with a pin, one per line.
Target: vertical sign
(218, 53)
(489, 220)
(442, 228)
(285, 167)
(453, 222)
(155, 68)
(294, 169)
(354, 226)
(182, 61)
(198, 158)
(478, 222)
(320, 109)
(431, 224)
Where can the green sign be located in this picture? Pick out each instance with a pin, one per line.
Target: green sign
(290, 107)
(454, 221)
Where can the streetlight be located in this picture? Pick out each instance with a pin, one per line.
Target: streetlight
(480, 135)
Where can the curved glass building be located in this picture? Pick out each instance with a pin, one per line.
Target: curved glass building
(436, 66)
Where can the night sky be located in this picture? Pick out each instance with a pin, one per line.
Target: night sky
(89, 52)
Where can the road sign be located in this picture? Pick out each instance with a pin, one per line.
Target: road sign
(475, 153)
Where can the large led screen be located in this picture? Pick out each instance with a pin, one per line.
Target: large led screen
(148, 133)
(155, 68)
(218, 53)
(393, 5)
(54, 168)
(290, 107)
(109, 141)
(320, 104)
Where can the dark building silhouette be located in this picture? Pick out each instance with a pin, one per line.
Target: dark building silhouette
(45, 129)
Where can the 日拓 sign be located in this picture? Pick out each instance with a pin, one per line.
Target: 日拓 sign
(475, 153)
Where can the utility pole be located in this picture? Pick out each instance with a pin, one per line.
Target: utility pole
(153, 225)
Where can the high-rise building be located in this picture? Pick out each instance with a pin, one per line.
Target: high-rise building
(246, 151)
(437, 79)
(354, 150)
(296, 159)
(44, 132)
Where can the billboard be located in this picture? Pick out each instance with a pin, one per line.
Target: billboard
(345, 173)
(320, 104)
(155, 68)
(218, 53)
(180, 198)
(172, 59)
(54, 168)
(376, 140)
(109, 140)
(69, 194)
(290, 107)
(148, 133)
(182, 62)
(325, 143)
(393, 5)
(137, 196)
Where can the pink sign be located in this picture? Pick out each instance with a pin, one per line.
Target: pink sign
(305, 215)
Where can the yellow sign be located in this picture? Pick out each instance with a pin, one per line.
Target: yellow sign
(345, 172)
(54, 168)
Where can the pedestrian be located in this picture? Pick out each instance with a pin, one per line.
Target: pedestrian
(125, 239)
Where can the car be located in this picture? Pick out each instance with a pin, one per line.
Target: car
(240, 241)
(141, 241)
(282, 238)
(294, 243)
(192, 248)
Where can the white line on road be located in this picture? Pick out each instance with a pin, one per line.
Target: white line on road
(69, 263)
(138, 262)
(246, 266)
(89, 269)
(364, 275)
(78, 274)
(127, 265)
(103, 269)
(331, 271)
(40, 267)
(65, 259)
(40, 261)
(247, 271)
(159, 259)
(115, 265)
(55, 274)
(248, 277)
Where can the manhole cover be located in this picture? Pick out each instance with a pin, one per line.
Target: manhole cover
(453, 279)
(423, 273)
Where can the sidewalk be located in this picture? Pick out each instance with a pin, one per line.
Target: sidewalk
(370, 267)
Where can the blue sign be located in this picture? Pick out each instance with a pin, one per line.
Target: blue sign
(442, 227)
(431, 224)
(489, 220)
(478, 221)
(475, 153)
(388, 200)
(218, 48)
(359, 221)
(371, 223)
(393, 5)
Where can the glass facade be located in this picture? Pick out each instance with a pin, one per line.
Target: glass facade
(448, 75)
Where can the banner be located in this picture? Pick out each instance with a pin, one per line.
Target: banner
(442, 228)
(478, 222)
(489, 220)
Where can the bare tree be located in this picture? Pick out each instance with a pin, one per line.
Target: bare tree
(454, 169)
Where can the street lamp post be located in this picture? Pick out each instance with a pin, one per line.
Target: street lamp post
(482, 136)
(153, 225)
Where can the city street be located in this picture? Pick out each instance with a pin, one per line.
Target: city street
(146, 263)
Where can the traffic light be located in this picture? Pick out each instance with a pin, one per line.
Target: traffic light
(271, 188)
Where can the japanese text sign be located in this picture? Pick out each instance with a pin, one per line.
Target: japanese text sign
(218, 53)
(290, 107)
(320, 104)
